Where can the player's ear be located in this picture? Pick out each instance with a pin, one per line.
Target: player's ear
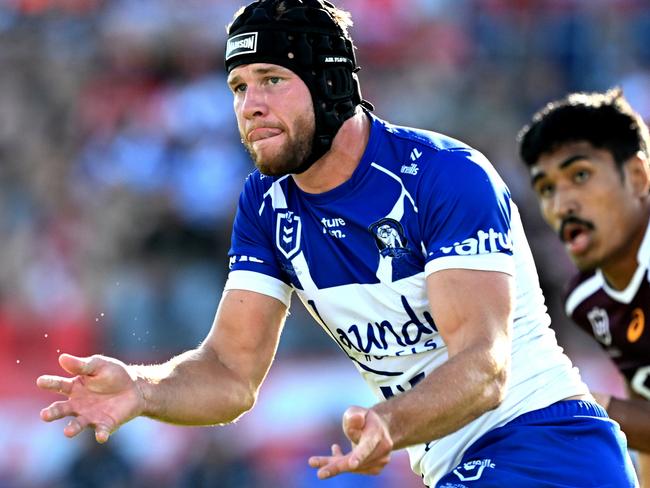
(638, 174)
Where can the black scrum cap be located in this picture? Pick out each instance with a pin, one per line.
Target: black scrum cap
(302, 35)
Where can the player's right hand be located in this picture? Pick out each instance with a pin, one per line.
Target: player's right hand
(103, 394)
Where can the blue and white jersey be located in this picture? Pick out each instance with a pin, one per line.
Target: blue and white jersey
(358, 256)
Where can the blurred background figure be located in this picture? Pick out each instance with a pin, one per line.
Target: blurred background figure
(120, 167)
(98, 467)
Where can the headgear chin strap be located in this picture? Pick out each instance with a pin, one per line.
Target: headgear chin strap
(301, 35)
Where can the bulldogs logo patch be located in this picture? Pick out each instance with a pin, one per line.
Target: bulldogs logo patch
(389, 237)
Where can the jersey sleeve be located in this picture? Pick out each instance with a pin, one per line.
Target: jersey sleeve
(253, 264)
(465, 214)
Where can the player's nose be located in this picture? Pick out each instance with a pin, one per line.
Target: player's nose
(254, 103)
(564, 203)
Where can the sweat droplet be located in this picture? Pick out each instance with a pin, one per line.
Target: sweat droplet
(45, 335)
(17, 361)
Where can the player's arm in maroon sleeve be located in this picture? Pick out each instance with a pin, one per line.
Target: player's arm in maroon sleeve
(212, 384)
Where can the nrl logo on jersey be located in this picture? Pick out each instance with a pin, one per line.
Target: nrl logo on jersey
(389, 237)
(484, 243)
(287, 233)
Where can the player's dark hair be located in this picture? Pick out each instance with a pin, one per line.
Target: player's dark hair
(309, 37)
(605, 120)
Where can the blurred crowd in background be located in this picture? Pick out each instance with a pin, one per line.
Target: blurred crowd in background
(120, 168)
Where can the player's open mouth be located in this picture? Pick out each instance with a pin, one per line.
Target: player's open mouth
(576, 235)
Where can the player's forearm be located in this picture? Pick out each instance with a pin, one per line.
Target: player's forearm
(194, 388)
(633, 416)
(466, 386)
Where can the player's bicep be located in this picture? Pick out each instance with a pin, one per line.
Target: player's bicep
(471, 307)
(245, 333)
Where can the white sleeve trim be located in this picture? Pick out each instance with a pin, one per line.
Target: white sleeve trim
(484, 262)
(260, 283)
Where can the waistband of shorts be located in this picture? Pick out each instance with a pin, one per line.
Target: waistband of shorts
(562, 409)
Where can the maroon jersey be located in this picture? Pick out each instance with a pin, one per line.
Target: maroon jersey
(618, 319)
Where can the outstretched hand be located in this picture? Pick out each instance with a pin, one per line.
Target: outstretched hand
(102, 395)
(371, 446)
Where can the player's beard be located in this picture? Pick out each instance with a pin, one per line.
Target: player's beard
(292, 154)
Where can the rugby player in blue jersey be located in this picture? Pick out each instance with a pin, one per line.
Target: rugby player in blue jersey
(588, 156)
(407, 250)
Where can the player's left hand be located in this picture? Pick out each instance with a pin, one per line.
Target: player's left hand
(371, 446)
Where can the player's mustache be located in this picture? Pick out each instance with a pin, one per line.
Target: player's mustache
(572, 219)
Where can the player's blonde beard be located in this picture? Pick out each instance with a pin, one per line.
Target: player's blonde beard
(296, 150)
